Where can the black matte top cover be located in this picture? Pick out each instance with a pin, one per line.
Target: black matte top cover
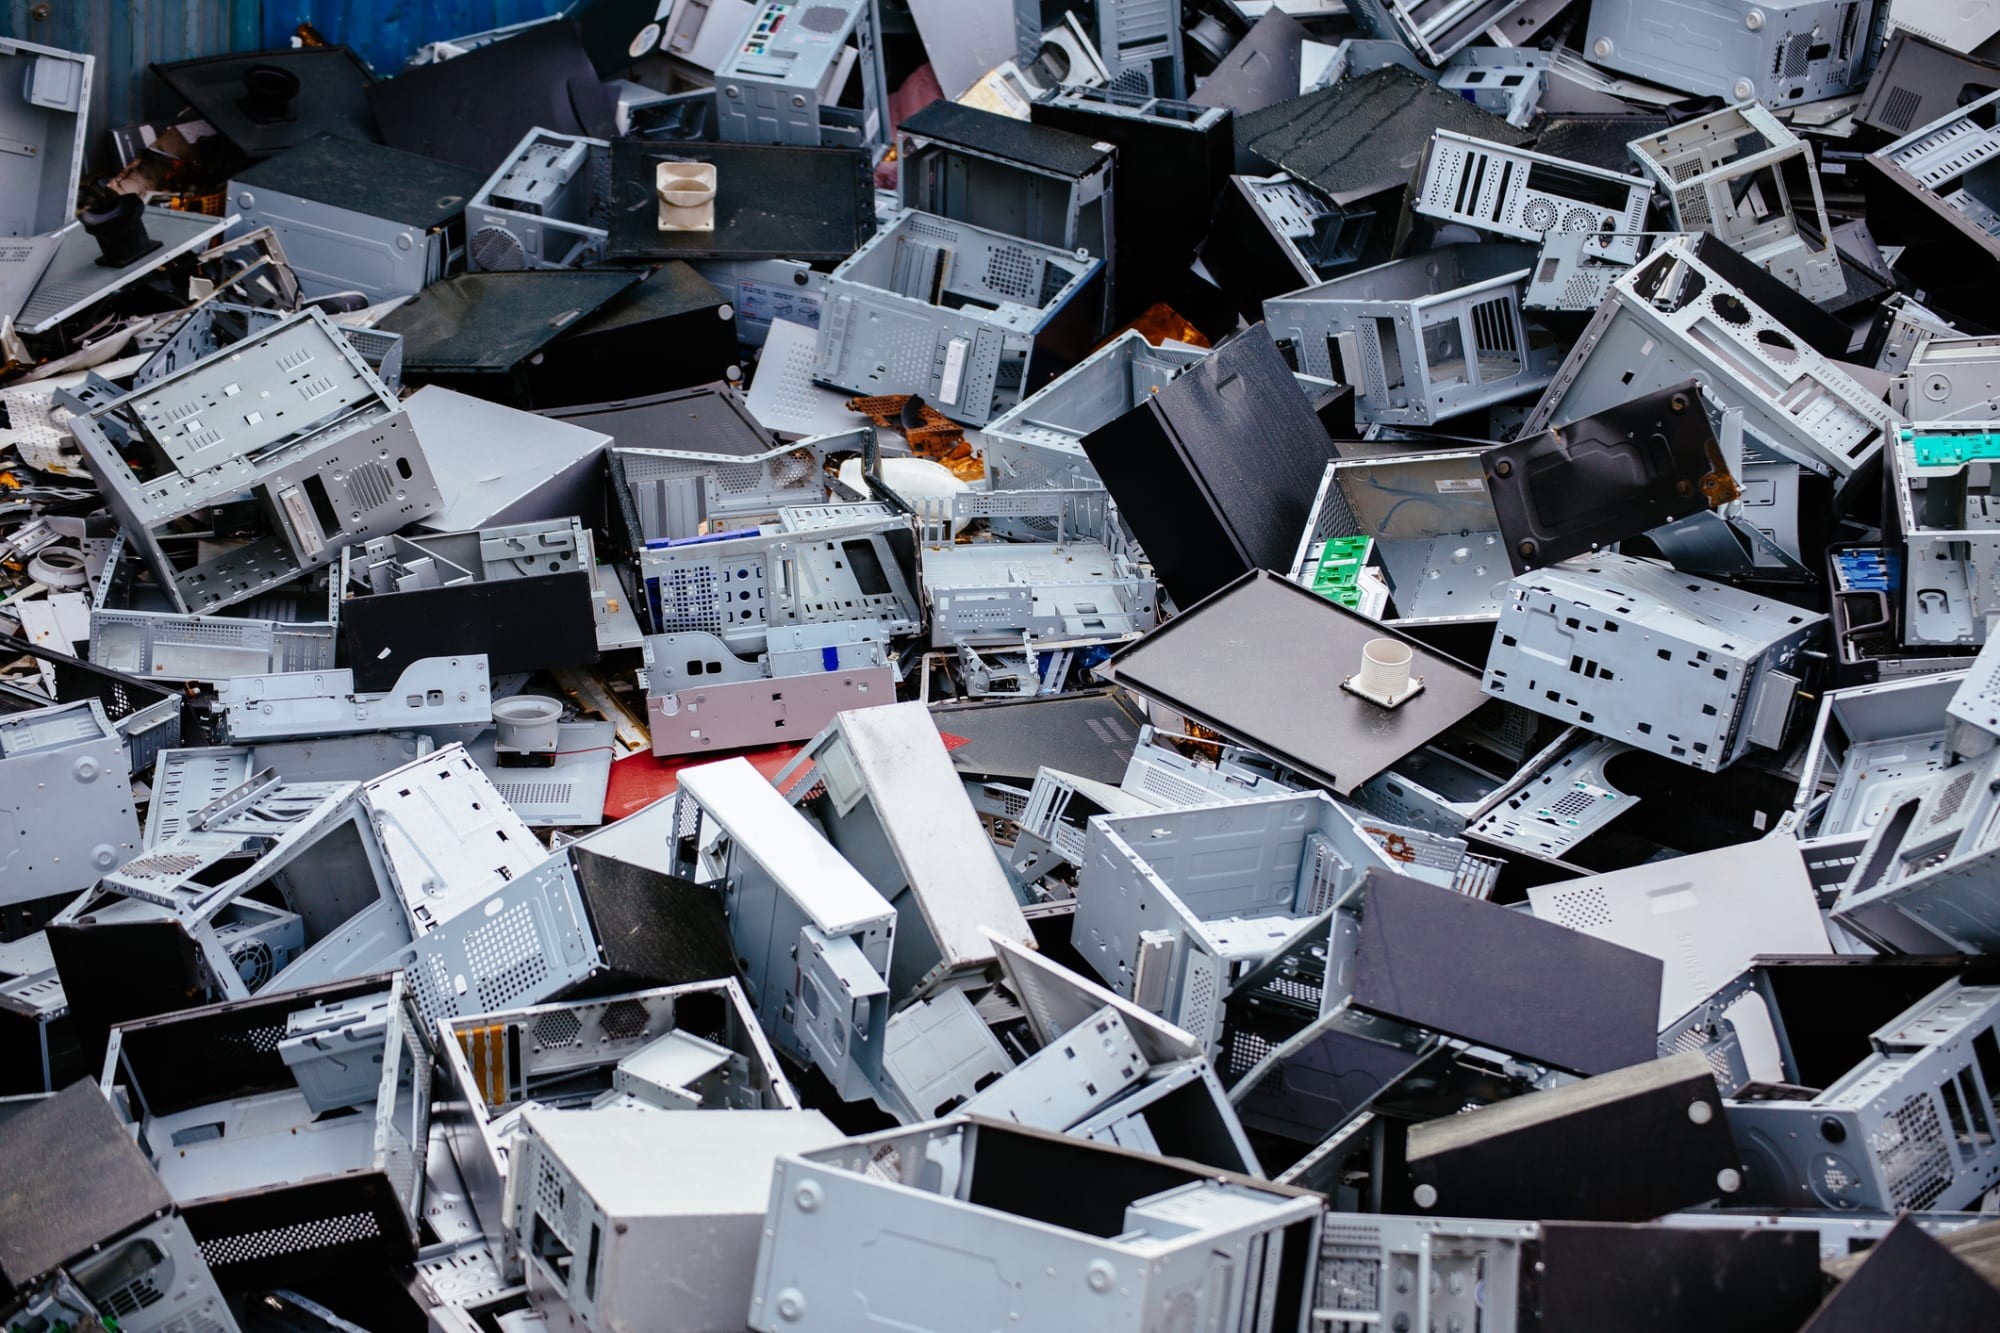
(1216, 470)
(331, 98)
(1262, 662)
(771, 202)
(1500, 978)
(417, 191)
(1362, 136)
(473, 109)
(1627, 1146)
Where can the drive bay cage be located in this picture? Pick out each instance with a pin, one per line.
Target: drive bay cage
(1421, 339)
(695, 1047)
(969, 319)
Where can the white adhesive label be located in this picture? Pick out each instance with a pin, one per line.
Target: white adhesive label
(1458, 485)
(760, 303)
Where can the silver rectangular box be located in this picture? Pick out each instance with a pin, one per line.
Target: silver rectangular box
(629, 1219)
(1664, 662)
(815, 937)
(1783, 54)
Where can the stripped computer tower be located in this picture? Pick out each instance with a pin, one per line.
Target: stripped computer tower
(627, 1218)
(1924, 880)
(1505, 80)
(358, 216)
(1140, 42)
(1173, 928)
(1434, 31)
(879, 784)
(293, 417)
(1783, 54)
(1422, 339)
(1704, 674)
(1039, 441)
(970, 319)
(45, 107)
(1528, 196)
(1910, 1127)
(813, 937)
(782, 83)
(1174, 158)
(818, 565)
(528, 595)
(1075, 580)
(666, 494)
(1380, 1271)
(1273, 235)
(547, 206)
(289, 1129)
(1940, 478)
(1944, 377)
(1932, 191)
(92, 1240)
(1741, 175)
(694, 1047)
(216, 324)
(908, 1210)
(1674, 317)
(1041, 184)
(146, 714)
(701, 696)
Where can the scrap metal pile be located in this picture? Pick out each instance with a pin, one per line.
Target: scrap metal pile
(1202, 666)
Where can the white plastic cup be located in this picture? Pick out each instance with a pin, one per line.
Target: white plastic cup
(1385, 668)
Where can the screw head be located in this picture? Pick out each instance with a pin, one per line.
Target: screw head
(1426, 1196)
(1100, 1275)
(1504, 468)
(807, 1197)
(1700, 1112)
